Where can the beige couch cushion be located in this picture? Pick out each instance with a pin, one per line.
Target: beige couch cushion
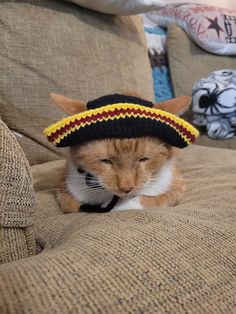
(16, 200)
(16, 188)
(188, 63)
(55, 46)
(169, 260)
(206, 141)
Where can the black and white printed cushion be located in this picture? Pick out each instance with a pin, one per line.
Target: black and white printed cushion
(214, 103)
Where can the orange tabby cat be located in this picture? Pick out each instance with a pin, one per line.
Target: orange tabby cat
(140, 172)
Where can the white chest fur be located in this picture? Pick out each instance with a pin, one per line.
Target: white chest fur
(160, 183)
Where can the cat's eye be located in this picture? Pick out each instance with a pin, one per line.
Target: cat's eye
(106, 161)
(143, 159)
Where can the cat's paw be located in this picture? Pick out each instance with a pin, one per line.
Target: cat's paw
(68, 203)
(131, 203)
(162, 200)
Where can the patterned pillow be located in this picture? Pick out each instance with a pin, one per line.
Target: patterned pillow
(214, 104)
(212, 28)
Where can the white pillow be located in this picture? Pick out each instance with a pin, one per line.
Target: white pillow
(121, 7)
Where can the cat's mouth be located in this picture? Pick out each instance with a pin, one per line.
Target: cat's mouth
(119, 193)
(125, 195)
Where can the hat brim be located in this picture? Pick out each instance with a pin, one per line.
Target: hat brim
(121, 121)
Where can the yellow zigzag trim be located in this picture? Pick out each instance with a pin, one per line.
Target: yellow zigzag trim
(60, 124)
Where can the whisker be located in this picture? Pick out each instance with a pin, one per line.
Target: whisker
(104, 186)
(83, 179)
(95, 183)
(95, 189)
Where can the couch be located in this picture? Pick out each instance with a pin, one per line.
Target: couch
(178, 259)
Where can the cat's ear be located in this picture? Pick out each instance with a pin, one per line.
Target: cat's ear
(176, 106)
(70, 106)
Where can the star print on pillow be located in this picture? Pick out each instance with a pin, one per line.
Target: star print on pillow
(214, 24)
(212, 28)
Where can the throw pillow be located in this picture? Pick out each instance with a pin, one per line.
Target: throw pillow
(212, 28)
(214, 104)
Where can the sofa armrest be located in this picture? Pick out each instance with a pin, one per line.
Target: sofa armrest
(16, 200)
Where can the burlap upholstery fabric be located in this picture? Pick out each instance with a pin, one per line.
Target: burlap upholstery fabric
(16, 188)
(188, 63)
(16, 200)
(54, 46)
(16, 243)
(175, 260)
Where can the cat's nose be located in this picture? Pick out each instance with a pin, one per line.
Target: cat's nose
(126, 190)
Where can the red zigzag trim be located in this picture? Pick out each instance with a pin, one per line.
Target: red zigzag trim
(116, 112)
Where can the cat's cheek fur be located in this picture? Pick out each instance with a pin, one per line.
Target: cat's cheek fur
(131, 203)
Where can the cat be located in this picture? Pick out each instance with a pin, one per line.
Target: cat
(120, 174)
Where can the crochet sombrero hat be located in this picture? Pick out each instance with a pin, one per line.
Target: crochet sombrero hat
(121, 116)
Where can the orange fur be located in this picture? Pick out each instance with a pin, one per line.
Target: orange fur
(67, 202)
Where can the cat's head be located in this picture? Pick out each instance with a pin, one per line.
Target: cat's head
(122, 166)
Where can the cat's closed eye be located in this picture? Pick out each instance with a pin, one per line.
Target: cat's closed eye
(143, 159)
(106, 161)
